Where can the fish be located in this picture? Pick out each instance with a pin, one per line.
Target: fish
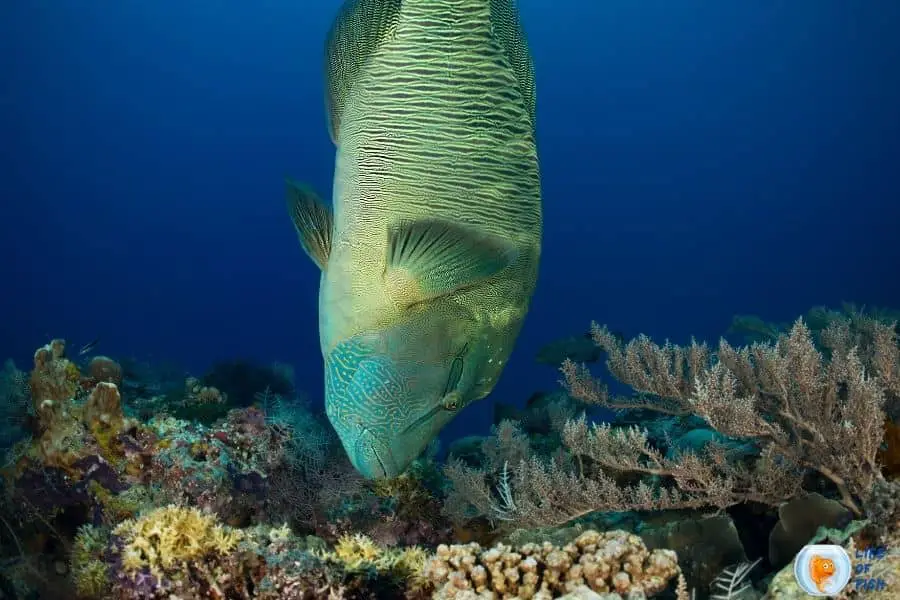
(578, 348)
(821, 570)
(429, 248)
(89, 347)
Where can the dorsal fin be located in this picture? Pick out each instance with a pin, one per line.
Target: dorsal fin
(312, 219)
(508, 33)
(360, 28)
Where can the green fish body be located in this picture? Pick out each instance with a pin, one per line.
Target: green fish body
(429, 254)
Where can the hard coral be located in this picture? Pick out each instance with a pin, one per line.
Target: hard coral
(222, 469)
(197, 393)
(614, 562)
(104, 369)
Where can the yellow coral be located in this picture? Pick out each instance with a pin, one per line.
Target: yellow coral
(172, 534)
(356, 551)
(359, 551)
(409, 561)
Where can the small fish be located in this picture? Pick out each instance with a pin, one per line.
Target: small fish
(89, 347)
(820, 571)
(579, 348)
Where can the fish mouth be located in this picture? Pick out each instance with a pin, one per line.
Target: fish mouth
(372, 457)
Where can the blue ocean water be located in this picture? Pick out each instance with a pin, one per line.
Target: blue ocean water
(699, 159)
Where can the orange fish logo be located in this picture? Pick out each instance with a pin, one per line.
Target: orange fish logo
(820, 570)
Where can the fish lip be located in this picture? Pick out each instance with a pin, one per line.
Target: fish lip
(368, 445)
(380, 462)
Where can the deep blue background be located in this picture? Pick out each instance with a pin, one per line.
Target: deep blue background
(700, 159)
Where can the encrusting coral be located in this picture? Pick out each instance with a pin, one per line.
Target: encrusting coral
(614, 562)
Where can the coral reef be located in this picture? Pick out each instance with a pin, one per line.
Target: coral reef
(123, 480)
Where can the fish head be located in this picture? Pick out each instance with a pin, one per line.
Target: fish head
(439, 324)
(389, 391)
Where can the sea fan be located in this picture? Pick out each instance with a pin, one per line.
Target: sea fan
(732, 581)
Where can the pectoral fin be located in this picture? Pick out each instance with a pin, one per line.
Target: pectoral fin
(312, 220)
(433, 257)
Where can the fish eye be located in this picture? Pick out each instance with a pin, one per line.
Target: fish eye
(451, 401)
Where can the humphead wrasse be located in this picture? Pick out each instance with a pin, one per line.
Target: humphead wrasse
(429, 253)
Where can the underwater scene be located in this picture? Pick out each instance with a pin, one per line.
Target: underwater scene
(451, 299)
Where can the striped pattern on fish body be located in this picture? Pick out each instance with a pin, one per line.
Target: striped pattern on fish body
(430, 255)
(435, 125)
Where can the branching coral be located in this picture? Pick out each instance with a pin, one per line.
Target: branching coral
(806, 411)
(172, 534)
(613, 562)
(359, 552)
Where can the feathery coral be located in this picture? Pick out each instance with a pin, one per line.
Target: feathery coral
(806, 410)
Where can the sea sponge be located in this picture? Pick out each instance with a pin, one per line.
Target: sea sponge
(170, 535)
(616, 563)
(104, 406)
(105, 419)
(54, 381)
